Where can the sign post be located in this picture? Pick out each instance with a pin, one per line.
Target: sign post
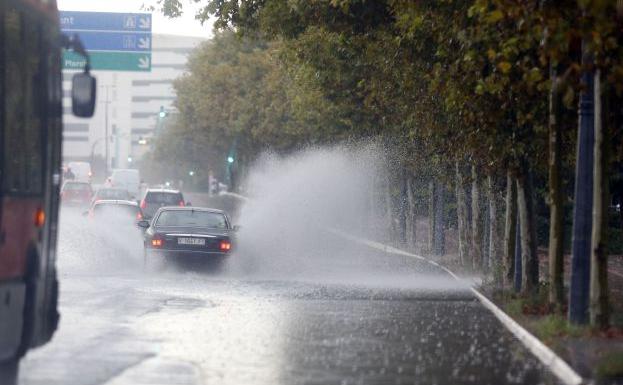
(115, 41)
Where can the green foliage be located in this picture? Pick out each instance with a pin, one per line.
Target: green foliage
(610, 366)
(238, 97)
(554, 326)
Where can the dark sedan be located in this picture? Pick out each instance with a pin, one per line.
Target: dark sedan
(187, 231)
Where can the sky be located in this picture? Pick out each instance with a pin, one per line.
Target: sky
(183, 25)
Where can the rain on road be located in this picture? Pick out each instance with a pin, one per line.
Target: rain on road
(349, 316)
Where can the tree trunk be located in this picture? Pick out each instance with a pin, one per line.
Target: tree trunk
(476, 222)
(389, 209)
(440, 239)
(510, 229)
(583, 201)
(411, 220)
(556, 231)
(529, 257)
(431, 216)
(494, 257)
(518, 262)
(462, 217)
(402, 214)
(598, 308)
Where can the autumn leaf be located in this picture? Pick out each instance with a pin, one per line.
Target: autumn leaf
(504, 67)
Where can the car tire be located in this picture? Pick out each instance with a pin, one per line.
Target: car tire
(8, 372)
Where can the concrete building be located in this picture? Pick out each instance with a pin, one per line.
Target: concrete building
(128, 103)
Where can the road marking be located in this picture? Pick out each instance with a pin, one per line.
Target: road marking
(548, 358)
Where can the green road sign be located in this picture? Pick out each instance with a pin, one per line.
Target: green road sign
(112, 61)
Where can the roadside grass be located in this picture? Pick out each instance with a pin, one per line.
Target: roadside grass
(534, 311)
(610, 366)
(553, 326)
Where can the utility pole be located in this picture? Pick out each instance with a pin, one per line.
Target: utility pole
(583, 198)
(106, 102)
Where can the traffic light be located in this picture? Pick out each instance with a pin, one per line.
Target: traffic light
(162, 114)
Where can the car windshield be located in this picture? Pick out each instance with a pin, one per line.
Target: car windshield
(192, 218)
(109, 193)
(166, 198)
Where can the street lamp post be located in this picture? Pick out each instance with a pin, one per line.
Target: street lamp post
(106, 102)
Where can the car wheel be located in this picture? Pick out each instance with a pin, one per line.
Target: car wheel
(8, 371)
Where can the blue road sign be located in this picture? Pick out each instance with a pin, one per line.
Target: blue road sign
(105, 21)
(115, 41)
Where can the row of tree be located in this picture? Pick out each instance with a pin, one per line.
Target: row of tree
(491, 104)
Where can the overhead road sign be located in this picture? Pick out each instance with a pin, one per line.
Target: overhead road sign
(105, 21)
(111, 61)
(115, 41)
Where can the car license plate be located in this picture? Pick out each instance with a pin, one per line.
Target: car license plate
(191, 241)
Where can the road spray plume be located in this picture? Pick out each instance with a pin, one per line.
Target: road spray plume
(297, 201)
(88, 247)
(295, 204)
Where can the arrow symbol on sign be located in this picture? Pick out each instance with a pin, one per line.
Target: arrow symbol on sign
(143, 42)
(144, 23)
(143, 62)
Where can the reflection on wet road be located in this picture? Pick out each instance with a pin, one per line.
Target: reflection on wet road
(370, 319)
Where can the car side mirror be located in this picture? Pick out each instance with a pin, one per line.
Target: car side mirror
(143, 223)
(83, 90)
(237, 227)
(189, 203)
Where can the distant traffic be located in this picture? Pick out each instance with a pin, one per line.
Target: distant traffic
(172, 229)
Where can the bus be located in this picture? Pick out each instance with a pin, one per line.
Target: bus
(30, 165)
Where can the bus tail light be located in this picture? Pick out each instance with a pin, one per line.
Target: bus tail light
(139, 216)
(39, 217)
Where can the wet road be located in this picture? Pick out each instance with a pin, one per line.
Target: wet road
(344, 314)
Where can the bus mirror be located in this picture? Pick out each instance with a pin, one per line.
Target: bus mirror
(83, 89)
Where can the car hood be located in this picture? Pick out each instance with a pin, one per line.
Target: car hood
(191, 230)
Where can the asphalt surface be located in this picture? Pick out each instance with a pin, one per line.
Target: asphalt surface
(337, 313)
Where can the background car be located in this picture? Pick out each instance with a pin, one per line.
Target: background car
(108, 193)
(124, 211)
(76, 193)
(187, 231)
(157, 198)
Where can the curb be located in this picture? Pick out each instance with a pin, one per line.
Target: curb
(548, 357)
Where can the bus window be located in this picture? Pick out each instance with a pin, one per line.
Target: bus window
(14, 103)
(23, 166)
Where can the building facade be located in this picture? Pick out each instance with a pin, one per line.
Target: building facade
(128, 105)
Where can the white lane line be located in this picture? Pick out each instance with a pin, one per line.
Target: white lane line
(548, 358)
